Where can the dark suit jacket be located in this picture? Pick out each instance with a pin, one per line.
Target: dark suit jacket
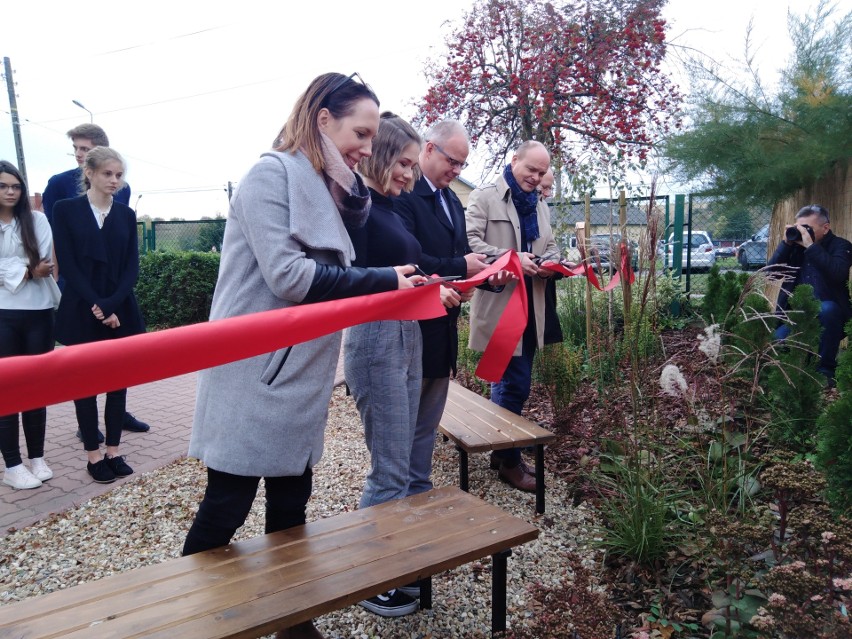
(832, 257)
(67, 185)
(100, 266)
(444, 247)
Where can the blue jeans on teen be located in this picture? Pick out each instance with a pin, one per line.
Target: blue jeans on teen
(24, 332)
(832, 320)
(513, 389)
(228, 500)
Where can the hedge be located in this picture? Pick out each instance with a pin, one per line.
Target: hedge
(176, 288)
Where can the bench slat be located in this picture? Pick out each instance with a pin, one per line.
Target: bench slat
(263, 584)
(478, 424)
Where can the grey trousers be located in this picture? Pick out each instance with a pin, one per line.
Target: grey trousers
(433, 398)
(383, 367)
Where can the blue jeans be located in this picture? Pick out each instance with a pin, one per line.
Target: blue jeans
(513, 389)
(832, 320)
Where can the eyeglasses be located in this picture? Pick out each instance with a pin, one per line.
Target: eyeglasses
(454, 163)
(11, 187)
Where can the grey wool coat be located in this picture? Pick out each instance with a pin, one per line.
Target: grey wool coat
(265, 416)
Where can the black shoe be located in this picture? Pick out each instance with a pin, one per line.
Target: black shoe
(101, 472)
(134, 425)
(118, 466)
(390, 604)
(101, 437)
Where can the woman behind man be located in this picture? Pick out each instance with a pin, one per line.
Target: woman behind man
(97, 246)
(28, 294)
(285, 244)
(383, 359)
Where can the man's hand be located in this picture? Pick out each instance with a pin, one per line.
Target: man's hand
(475, 263)
(501, 278)
(544, 273)
(530, 268)
(806, 236)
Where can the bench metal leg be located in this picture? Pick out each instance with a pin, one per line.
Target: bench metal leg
(498, 591)
(426, 593)
(539, 479)
(464, 481)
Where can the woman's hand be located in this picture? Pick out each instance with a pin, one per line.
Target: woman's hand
(402, 273)
(450, 297)
(43, 269)
(112, 321)
(97, 312)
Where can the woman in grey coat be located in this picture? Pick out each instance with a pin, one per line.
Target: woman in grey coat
(286, 243)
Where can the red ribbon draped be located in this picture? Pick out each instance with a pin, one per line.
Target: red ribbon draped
(512, 322)
(89, 369)
(583, 269)
(84, 370)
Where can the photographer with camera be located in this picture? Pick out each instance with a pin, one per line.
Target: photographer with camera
(822, 260)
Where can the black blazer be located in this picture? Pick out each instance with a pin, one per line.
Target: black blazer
(832, 257)
(100, 266)
(444, 247)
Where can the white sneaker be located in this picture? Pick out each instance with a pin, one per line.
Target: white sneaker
(40, 469)
(20, 478)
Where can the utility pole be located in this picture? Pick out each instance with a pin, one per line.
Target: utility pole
(16, 124)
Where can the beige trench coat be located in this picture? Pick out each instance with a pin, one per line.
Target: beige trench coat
(493, 227)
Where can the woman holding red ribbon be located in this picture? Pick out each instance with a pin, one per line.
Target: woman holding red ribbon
(98, 250)
(28, 293)
(286, 243)
(383, 359)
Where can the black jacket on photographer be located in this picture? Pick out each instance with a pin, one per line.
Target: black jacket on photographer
(824, 265)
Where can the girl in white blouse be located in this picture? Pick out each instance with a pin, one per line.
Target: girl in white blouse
(28, 294)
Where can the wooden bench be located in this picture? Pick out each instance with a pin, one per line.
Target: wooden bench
(261, 585)
(478, 425)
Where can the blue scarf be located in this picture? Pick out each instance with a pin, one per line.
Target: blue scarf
(526, 204)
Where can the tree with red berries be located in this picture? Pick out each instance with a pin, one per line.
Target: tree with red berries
(583, 77)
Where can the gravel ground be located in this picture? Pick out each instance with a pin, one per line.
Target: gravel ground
(145, 519)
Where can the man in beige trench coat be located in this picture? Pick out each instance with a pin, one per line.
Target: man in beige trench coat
(509, 215)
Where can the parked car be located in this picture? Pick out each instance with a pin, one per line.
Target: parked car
(698, 252)
(726, 251)
(752, 253)
(604, 245)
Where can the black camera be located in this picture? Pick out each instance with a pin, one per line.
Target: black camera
(793, 234)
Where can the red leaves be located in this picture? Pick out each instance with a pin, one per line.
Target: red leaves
(580, 65)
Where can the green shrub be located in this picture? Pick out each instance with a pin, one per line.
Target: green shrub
(792, 384)
(175, 289)
(834, 436)
(559, 367)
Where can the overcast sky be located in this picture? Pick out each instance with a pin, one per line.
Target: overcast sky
(192, 92)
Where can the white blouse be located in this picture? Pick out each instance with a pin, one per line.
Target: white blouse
(16, 291)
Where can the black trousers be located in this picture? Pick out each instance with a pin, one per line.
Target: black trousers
(227, 502)
(87, 418)
(24, 333)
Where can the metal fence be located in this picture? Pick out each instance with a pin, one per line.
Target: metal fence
(180, 235)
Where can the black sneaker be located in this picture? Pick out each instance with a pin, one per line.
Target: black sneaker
(101, 437)
(118, 466)
(392, 603)
(134, 425)
(101, 472)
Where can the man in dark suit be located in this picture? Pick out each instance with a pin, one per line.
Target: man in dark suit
(435, 216)
(63, 186)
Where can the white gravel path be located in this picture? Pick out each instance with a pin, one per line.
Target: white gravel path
(145, 519)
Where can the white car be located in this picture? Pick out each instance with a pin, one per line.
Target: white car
(699, 251)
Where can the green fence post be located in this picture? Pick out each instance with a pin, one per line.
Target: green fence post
(677, 246)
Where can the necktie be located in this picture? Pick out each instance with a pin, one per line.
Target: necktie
(442, 203)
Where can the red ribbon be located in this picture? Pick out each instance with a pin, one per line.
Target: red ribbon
(583, 269)
(512, 322)
(84, 370)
